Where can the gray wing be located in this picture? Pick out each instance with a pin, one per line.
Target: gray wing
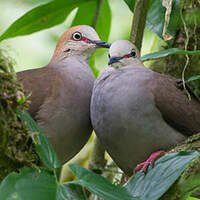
(126, 119)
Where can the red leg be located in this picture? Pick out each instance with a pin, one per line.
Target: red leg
(153, 157)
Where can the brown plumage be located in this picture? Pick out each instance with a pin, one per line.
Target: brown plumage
(136, 111)
(180, 112)
(61, 91)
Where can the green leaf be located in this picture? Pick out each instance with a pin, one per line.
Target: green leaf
(29, 184)
(70, 191)
(104, 21)
(167, 52)
(43, 147)
(99, 185)
(156, 17)
(192, 198)
(32, 184)
(130, 3)
(85, 14)
(193, 78)
(158, 179)
(41, 17)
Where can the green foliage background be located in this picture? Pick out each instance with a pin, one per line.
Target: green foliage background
(36, 49)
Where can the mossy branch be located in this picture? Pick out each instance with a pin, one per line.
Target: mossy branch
(16, 149)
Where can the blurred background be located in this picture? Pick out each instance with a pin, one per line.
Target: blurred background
(35, 50)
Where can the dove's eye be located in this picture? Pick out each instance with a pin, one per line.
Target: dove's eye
(77, 36)
(133, 53)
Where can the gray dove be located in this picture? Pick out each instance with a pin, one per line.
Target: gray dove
(136, 111)
(61, 91)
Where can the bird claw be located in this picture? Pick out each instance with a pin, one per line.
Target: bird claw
(153, 157)
(179, 84)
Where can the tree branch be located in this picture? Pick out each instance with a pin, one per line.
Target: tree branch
(16, 149)
(139, 21)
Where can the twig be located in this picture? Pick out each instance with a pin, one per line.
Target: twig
(139, 21)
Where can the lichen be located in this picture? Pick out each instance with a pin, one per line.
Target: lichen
(16, 147)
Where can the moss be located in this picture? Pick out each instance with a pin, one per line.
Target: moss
(16, 147)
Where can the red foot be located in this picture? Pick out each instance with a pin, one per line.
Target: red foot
(153, 157)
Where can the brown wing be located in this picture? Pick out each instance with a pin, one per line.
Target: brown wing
(176, 108)
(38, 82)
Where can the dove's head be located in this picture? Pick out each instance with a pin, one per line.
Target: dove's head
(79, 40)
(123, 53)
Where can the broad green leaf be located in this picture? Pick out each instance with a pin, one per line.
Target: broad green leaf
(29, 184)
(85, 14)
(167, 52)
(41, 17)
(99, 185)
(104, 21)
(158, 179)
(130, 3)
(68, 191)
(43, 147)
(193, 78)
(156, 17)
(33, 2)
(32, 184)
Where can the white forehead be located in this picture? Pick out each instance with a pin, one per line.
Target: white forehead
(120, 48)
(88, 32)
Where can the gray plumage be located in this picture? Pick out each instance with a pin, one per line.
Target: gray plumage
(136, 111)
(60, 103)
(61, 91)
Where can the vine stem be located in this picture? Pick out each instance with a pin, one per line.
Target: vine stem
(187, 57)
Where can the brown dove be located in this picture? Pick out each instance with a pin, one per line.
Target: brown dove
(61, 91)
(136, 111)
